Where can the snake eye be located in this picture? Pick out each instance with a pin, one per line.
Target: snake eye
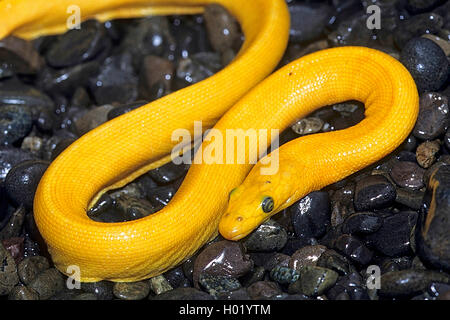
(267, 204)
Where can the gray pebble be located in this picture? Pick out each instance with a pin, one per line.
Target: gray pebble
(433, 118)
(313, 281)
(103, 290)
(47, 283)
(269, 236)
(15, 123)
(131, 290)
(306, 256)
(8, 272)
(23, 293)
(407, 175)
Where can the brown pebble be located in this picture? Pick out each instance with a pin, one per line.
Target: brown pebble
(306, 256)
(263, 289)
(24, 57)
(15, 247)
(222, 28)
(426, 153)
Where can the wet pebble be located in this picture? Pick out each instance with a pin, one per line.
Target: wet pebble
(306, 256)
(15, 123)
(22, 181)
(351, 285)
(311, 215)
(168, 173)
(131, 290)
(215, 284)
(426, 62)
(269, 236)
(393, 237)
(8, 272)
(409, 282)
(15, 247)
(432, 237)
(223, 258)
(23, 293)
(116, 82)
(433, 118)
(103, 290)
(342, 204)
(78, 45)
(93, 118)
(263, 290)
(374, 192)
(308, 20)
(47, 283)
(284, 275)
(362, 223)
(354, 249)
(332, 260)
(18, 56)
(407, 175)
(313, 281)
(410, 198)
(155, 77)
(159, 284)
(222, 28)
(29, 268)
(426, 153)
(308, 125)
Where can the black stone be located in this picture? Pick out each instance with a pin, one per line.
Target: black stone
(373, 192)
(354, 249)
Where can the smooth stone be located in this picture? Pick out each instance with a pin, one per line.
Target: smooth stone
(308, 125)
(426, 153)
(8, 272)
(92, 119)
(362, 223)
(78, 45)
(271, 260)
(223, 258)
(342, 204)
(80, 99)
(131, 290)
(437, 289)
(183, 294)
(433, 118)
(23, 293)
(116, 82)
(284, 275)
(354, 249)
(263, 290)
(257, 274)
(409, 282)
(159, 284)
(426, 62)
(306, 256)
(432, 235)
(176, 278)
(155, 77)
(29, 268)
(22, 180)
(417, 25)
(18, 56)
(393, 237)
(407, 175)
(66, 80)
(47, 283)
(374, 192)
(330, 259)
(352, 285)
(215, 285)
(410, 198)
(311, 215)
(15, 123)
(168, 173)
(14, 92)
(103, 290)
(161, 196)
(444, 44)
(222, 28)
(197, 68)
(269, 236)
(313, 281)
(308, 20)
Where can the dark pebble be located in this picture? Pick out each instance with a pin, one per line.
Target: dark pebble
(354, 249)
(362, 223)
(416, 26)
(409, 282)
(15, 123)
(131, 290)
(183, 294)
(223, 258)
(92, 119)
(269, 236)
(160, 196)
(284, 275)
(30, 267)
(407, 175)
(313, 281)
(15, 223)
(311, 215)
(433, 116)
(393, 237)
(410, 198)
(23, 293)
(396, 264)
(308, 20)
(22, 181)
(263, 290)
(426, 62)
(197, 68)
(116, 82)
(432, 231)
(306, 256)
(18, 56)
(342, 204)
(332, 260)
(352, 285)
(155, 77)
(103, 290)
(416, 6)
(77, 45)
(215, 285)
(47, 283)
(222, 28)
(374, 192)
(15, 247)
(168, 173)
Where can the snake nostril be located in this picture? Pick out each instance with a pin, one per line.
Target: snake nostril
(239, 219)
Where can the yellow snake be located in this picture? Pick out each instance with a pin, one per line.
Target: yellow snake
(126, 147)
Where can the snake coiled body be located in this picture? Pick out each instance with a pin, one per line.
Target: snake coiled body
(122, 149)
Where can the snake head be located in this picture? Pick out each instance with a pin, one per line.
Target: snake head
(248, 207)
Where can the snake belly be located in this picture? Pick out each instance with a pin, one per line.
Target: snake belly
(130, 144)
